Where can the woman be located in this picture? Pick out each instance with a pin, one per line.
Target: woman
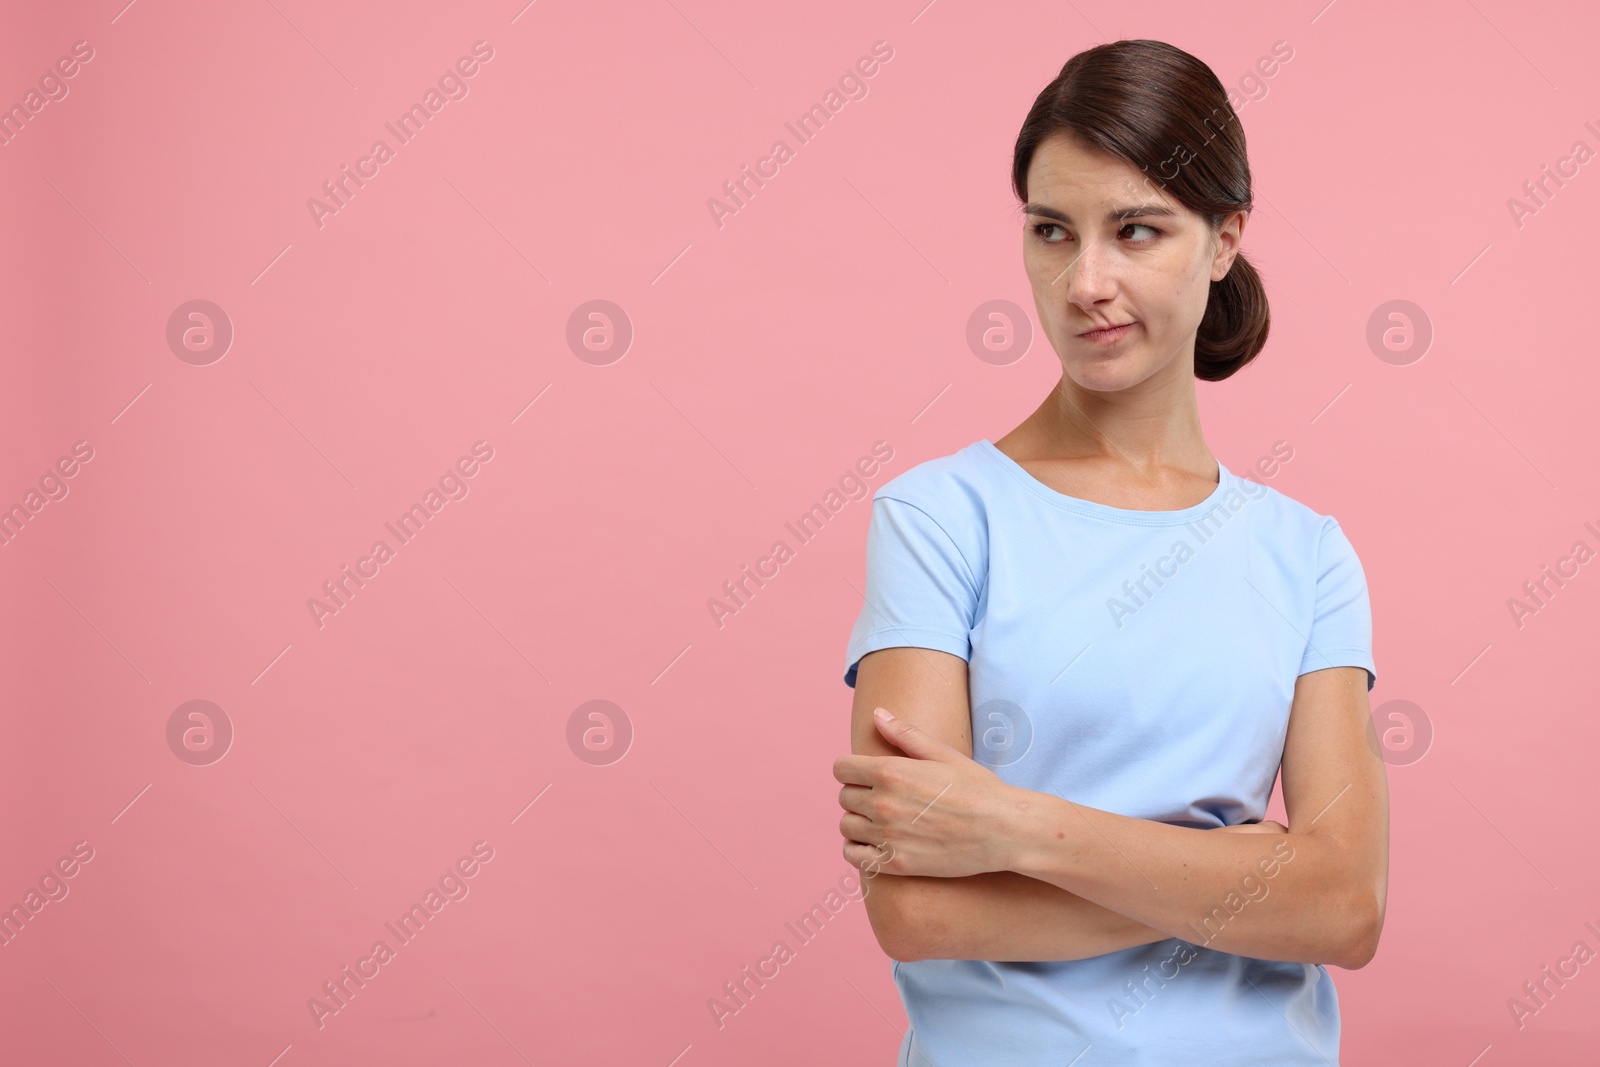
(1140, 640)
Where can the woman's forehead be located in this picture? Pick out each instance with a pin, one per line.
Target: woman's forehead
(1094, 181)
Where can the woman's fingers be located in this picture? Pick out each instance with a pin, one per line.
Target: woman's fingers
(872, 859)
(852, 797)
(853, 827)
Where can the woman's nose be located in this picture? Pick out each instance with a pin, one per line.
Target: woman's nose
(1089, 277)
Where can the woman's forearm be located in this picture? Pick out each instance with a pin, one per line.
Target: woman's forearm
(1006, 916)
(1304, 904)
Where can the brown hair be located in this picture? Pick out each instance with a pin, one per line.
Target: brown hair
(1158, 107)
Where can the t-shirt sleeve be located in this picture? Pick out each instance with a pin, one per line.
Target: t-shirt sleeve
(1341, 629)
(921, 590)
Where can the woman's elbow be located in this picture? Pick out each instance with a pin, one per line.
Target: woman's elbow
(888, 912)
(1362, 932)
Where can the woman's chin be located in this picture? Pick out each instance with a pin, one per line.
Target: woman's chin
(1109, 375)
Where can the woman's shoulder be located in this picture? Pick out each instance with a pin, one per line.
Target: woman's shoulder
(946, 483)
(1295, 520)
(952, 491)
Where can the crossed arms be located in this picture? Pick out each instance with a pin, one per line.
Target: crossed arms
(1091, 882)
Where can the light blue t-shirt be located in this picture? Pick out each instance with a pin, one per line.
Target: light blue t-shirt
(1140, 662)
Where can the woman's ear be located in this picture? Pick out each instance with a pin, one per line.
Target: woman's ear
(1225, 241)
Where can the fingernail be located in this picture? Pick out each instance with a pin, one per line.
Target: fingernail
(883, 713)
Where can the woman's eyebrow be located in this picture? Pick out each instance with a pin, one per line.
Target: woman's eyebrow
(1116, 214)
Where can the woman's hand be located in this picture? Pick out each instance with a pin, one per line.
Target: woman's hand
(933, 812)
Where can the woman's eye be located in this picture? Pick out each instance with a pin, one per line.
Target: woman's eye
(1040, 231)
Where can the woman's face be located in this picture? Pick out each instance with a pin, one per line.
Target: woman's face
(1103, 246)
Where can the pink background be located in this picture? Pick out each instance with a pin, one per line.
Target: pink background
(369, 353)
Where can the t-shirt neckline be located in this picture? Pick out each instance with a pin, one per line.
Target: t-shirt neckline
(1093, 509)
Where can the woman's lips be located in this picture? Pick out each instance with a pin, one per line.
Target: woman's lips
(1106, 337)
